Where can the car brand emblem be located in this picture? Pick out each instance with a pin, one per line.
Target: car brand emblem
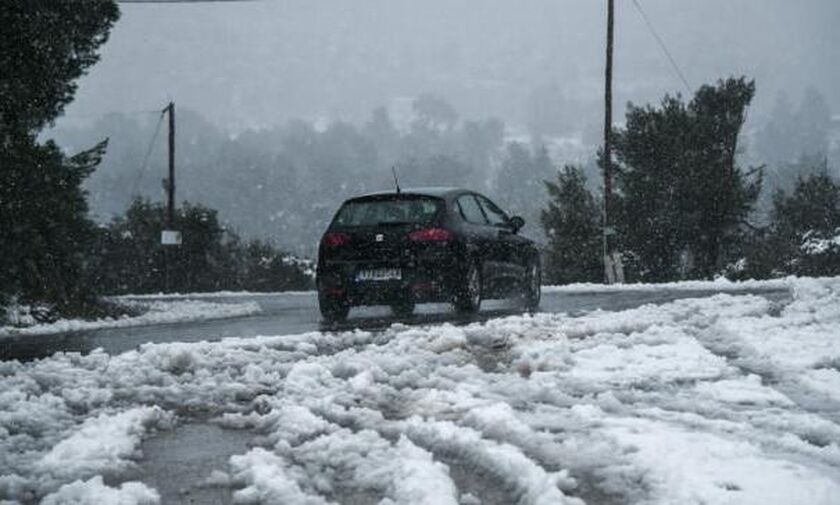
(380, 237)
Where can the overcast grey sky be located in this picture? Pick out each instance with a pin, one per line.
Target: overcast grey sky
(260, 63)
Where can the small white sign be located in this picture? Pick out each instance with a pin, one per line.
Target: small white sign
(170, 237)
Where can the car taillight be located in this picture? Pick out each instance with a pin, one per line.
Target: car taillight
(431, 235)
(335, 239)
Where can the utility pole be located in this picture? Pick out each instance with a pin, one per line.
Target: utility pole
(609, 271)
(169, 236)
(170, 187)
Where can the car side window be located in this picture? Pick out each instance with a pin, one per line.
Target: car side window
(494, 214)
(470, 210)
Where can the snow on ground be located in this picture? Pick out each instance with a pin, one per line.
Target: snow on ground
(153, 312)
(717, 400)
(721, 284)
(95, 491)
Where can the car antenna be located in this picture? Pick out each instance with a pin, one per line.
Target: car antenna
(396, 181)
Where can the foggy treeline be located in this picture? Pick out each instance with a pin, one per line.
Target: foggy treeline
(283, 183)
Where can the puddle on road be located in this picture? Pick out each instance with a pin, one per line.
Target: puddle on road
(470, 479)
(177, 462)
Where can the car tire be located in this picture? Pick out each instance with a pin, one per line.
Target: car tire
(403, 308)
(334, 309)
(531, 286)
(468, 293)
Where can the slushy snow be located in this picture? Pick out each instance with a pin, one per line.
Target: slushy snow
(715, 400)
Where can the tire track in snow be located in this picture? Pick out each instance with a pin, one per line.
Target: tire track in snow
(722, 342)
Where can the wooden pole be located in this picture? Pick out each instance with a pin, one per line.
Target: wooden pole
(170, 198)
(170, 206)
(608, 249)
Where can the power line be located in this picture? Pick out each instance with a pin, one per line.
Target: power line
(662, 45)
(149, 150)
(101, 114)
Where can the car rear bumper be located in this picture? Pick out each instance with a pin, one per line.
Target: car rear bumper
(421, 281)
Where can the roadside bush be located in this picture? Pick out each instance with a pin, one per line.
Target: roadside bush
(804, 234)
(130, 259)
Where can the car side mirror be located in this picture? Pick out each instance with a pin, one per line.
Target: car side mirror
(516, 223)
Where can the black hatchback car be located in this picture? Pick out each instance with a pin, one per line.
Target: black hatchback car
(424, 245)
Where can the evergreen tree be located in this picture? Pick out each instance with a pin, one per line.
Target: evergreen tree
(723, 193)
(812, 207)
(682, 196)
(572, 222)
(44, 229)
(649, 208)
(44, 48)
(802, 238)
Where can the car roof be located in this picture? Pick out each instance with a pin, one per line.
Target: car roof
(438, 192)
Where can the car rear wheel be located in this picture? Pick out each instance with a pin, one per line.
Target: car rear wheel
(468, 295)
(334, 309)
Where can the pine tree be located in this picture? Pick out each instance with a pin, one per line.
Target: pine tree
(806, 227)
(723, 193)
(572, 222)
(44, 230)
(682, 196)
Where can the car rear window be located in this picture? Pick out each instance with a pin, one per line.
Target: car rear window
(388, 211)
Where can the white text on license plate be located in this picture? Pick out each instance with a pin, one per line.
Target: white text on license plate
(379, 274)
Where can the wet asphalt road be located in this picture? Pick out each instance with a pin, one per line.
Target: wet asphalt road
(285, 314)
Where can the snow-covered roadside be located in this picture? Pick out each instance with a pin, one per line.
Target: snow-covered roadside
(214, 294)
(154, 312)
(718, 400)
(720, 284)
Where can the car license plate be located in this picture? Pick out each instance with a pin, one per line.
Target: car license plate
(379, 274)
